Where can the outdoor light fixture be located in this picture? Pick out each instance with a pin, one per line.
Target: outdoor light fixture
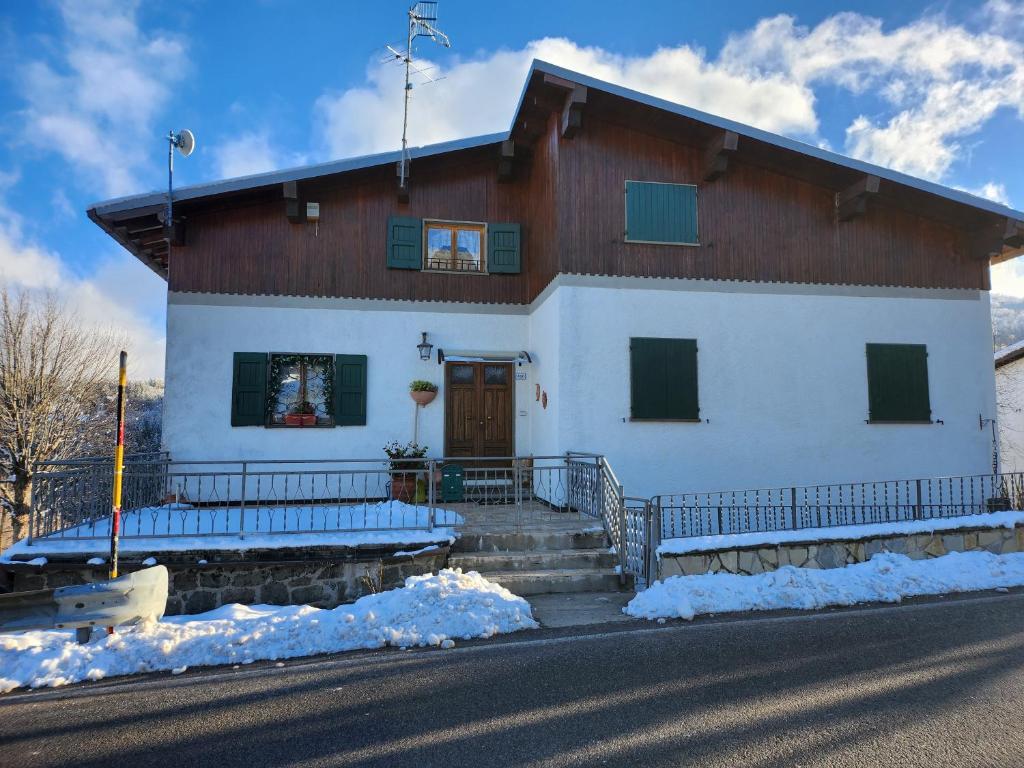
(425, 347)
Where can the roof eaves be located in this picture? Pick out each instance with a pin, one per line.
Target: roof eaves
(255, 181)
(956, 195)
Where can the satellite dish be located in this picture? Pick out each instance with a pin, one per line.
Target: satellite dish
(185, 141)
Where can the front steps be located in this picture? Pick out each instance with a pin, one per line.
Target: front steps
(540, 563)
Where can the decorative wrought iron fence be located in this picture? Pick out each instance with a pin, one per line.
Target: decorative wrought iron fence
(684, 515)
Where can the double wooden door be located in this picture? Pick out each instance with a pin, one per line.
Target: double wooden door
(478, 409)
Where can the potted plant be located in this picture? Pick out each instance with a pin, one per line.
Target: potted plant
(304, 415)
(423, 392)
(404, 462)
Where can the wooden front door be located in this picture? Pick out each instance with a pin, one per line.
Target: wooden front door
(478, 409)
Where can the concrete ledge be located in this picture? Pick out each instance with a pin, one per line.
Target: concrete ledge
(837, 553)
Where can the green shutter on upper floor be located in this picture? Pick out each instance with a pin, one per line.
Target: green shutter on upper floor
(663, 379)
(405, 243)
(249, 390)
(503, 249)
(349, 390)
(898, 383)
(661, 213)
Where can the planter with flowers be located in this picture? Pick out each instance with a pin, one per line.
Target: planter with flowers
(304, 415)
(423, 392)
(407, 467)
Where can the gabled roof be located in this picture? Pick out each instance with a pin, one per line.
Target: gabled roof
(109, 212)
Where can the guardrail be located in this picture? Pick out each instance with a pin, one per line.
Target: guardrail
(165, 498)
(685, 515)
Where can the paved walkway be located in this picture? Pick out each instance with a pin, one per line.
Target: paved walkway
(577, 609)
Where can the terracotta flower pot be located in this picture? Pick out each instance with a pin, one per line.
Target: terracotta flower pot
(300, 419)
(403, 487)
(422, 397)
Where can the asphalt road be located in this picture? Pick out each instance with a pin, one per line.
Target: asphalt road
(930, 684)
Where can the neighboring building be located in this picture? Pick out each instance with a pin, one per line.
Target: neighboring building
(708, 304)
(1010, 397)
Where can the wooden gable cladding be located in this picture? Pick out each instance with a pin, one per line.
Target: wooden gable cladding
(755, 223)
(254, 249)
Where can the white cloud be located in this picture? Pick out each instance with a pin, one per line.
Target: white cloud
(94, 101)
(478, 95)
(252, 152)
(119, 294)
(943, 80)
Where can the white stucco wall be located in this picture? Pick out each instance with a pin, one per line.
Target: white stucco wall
(782, 385)
(1010, 392)
(782, 378)
(201, 340)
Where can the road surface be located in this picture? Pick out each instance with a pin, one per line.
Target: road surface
(936, 683)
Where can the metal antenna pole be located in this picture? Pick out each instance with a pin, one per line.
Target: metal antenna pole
(170, 176)
(408, 89)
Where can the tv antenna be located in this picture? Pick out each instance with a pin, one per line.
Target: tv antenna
(185, 142)
(422, 23)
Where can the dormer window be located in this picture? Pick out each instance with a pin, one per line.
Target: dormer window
(454, 246)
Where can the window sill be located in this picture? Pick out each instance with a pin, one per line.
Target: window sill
(643, 419)
(299, 426)
(898, 421)
(659, 242)
(453, 272)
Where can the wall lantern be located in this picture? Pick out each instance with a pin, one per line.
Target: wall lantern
(425, 347)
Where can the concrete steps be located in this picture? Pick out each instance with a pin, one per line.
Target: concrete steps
(544, 582)
(477, 542)
(539, 560)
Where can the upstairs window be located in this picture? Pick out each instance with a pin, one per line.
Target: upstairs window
(663, 379)
(898, 383)
(301, 390)
(660, 213)
(454, 247)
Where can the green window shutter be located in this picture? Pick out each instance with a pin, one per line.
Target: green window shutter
(349, 390)
(405, 243)
(663, 379)
(249, 390)
(661, 213)
(898, 382)
(503, 249)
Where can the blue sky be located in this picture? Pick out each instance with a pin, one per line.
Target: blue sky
(89, 89)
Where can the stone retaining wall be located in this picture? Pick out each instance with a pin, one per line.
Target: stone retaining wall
(836, 554)
(318, 576)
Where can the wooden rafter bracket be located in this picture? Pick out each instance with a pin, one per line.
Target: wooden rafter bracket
(717, 152)
(1000, 241)
(293, 207)
(572, 107)
(506, 160)
(853, 201)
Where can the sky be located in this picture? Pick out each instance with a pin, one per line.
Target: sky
(89, 89)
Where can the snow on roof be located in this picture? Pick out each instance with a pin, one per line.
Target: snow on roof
(1010, 353)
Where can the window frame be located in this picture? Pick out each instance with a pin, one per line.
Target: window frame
(927, 381)
(453, 226)
(698, 419)
(625, 213)
(329, 361)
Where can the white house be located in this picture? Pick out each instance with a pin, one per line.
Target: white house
(707, 304)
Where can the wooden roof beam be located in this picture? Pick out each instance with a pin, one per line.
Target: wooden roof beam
(293, 207)
(506, 160)
(998, 242)
(853, 201)
(572, 108)
(717, 152)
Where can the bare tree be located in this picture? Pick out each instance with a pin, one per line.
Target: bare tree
(55, 376)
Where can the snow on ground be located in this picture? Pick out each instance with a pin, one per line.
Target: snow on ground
(838, 533)
(428, 610)
(178, 527)
(885, 578)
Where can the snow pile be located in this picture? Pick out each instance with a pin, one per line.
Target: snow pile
(838, 533)
(179, 527)
(885, 578)
(428, 610)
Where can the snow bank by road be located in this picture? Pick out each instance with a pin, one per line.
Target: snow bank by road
(428, 610)
(886, 578)
(838, 533)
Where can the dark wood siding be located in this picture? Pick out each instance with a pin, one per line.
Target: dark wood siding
(755, 224)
